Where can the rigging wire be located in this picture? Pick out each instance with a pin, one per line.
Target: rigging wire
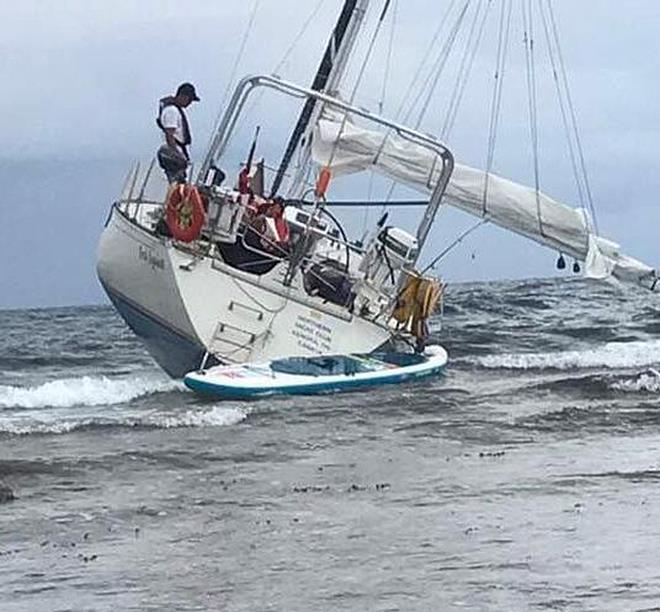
(388, 59)
(467, 62)
(287, 54)
(496, 102)
(241, 50)
(360, 76)
(434, 77)
(528, 41)
(423, 62)
(237, 61)
(299, 35)
(381, 104)
(562, 107)
(454, 244)
(370, 50)
(464, 59)
(456, 99)
(285, 57)
(571, 107)
(413, 84)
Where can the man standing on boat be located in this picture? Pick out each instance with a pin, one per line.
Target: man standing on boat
(173, 155)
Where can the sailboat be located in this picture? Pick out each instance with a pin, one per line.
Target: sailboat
(250, 272)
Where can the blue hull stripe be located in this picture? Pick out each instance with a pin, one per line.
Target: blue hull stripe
(174, 352)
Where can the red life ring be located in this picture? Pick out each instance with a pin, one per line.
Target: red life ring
(184, 212)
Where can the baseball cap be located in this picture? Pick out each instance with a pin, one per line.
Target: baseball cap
(188, 89)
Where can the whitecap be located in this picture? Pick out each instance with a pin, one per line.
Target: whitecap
(218, 416)
(84, 391)
(24, 427)
(648, 382)
(610, 355)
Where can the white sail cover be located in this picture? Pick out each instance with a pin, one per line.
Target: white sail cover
(346, 148)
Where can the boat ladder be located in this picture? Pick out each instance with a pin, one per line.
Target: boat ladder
(235, 334)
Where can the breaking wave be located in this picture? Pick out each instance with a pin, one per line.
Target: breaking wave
(646, 382)
(610, 355)
(215, 417)
(84, 391)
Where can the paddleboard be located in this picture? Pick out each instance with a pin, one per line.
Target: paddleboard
(318, 374)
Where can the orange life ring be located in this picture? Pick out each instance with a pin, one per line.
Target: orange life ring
(184, 212)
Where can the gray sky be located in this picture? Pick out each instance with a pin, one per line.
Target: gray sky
(81, 80)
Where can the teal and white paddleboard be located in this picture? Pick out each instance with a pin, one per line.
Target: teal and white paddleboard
(320, 374)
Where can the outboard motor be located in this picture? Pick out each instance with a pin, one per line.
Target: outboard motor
(392, 250)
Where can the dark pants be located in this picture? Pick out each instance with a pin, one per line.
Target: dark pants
(173, 164)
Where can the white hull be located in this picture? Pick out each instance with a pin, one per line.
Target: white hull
(181, 306)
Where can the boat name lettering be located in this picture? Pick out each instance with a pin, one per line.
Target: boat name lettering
(146, 255)
(312, 335)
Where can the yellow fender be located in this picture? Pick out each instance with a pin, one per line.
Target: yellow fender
(418, 298)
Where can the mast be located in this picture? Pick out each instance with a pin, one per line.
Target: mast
(329, 74)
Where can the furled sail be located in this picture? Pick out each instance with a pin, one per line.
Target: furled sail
(344, 147)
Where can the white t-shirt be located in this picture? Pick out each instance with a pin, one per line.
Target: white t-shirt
(171, 118)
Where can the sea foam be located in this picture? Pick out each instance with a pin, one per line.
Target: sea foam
(646, 382)
(610, 355)
(217, 416)
(84, 391)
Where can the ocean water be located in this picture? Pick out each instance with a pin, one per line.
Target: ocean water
(525, 478)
